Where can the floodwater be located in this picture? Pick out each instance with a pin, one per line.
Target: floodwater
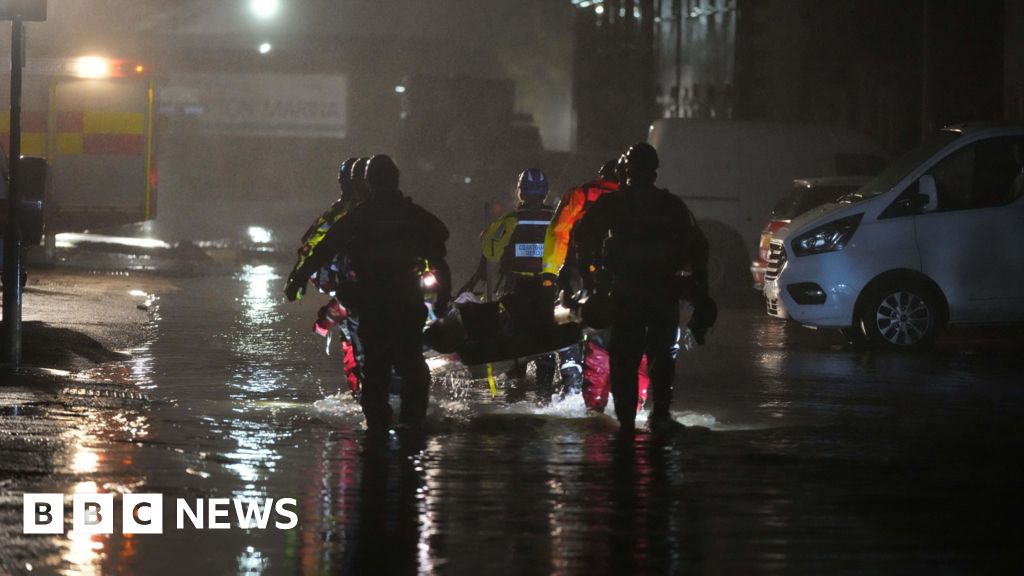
(795, 455)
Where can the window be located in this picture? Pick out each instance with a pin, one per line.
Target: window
(981, 175)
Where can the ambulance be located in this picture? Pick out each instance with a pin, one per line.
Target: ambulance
(92, 119)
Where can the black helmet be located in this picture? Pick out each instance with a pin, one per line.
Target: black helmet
(641, 164)
(345, 176)
(359, 178)
(607, 171)
(381, 174)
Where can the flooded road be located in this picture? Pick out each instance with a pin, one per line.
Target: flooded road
(796, 455)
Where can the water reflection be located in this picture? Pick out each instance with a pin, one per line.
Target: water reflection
(256, 457)
(264, 349)
(252, 562)
(384, 534)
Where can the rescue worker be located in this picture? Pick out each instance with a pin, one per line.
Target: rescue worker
(388, 240)
(560, 267)
(349, 172)
(515, 242)
(571, 208)
(331, 278)
(637, 245)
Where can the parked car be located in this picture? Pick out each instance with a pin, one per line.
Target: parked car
(935, 239)
(728, 172)
(805, 194)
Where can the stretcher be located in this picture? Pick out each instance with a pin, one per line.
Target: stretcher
(482, 333)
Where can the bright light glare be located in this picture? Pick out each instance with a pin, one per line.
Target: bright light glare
(265, 48)
(400, 89)
(71, 239)
(436, 362)
(599, 9)
(264, 9)
(92, 67)
(259, 235)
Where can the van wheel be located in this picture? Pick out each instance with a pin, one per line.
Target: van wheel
(902, 316)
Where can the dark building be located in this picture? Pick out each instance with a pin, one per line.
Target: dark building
(893, 70)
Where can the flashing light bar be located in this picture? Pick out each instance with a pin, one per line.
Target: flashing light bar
(86, 67)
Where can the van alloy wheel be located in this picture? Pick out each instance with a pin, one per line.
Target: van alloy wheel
(903, 318)
(901, 313)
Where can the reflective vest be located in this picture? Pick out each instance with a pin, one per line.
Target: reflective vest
(525, 251)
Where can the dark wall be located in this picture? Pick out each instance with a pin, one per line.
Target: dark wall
(893, 70)
(614, 95)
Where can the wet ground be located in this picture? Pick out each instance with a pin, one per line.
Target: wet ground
(795, 454)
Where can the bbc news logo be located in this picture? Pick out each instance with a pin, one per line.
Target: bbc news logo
(144, 513)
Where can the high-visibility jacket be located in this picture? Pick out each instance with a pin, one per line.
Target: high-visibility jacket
(516, 240)
(316, 233)
(573, 205)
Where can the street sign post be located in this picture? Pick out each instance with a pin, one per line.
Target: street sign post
(18, 11)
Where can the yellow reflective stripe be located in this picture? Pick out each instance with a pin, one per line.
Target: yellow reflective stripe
(70, 143)
(114, 123)
(490, 380)
(149, 151)
(33, 144)
(322, 228)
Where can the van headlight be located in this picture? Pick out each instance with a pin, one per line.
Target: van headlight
(827, 237)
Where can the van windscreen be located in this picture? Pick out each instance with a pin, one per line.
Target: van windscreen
(905, 164)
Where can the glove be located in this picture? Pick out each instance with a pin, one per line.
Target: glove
(295, 289)
(705, 313)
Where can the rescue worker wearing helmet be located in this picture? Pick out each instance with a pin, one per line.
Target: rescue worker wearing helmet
(330, 278)
(515, 242)
(387, 240)
(560, 266)
(350, 174)
(636, 245)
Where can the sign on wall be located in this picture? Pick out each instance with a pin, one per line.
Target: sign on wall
(304, 106)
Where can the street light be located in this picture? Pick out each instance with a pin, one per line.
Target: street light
(265, 9)
(265, 48)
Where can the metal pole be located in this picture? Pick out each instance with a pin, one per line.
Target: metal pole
(678, 7)
(12, 239)
(926, 111)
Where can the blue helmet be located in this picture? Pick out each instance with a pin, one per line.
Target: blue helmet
(532, 184)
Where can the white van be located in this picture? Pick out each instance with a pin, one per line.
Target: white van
(731, 173)
(937, 238)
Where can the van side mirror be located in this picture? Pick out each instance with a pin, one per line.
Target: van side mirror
(927, 194)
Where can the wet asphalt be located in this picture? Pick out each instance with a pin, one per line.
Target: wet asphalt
(794, 454)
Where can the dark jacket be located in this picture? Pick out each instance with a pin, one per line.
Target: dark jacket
(386, 240)
(639, 238)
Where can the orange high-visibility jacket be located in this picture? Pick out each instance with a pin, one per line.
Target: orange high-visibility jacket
(571, 208)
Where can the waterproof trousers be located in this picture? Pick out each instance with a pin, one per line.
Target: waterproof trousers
(644, 323)
(392, 336)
